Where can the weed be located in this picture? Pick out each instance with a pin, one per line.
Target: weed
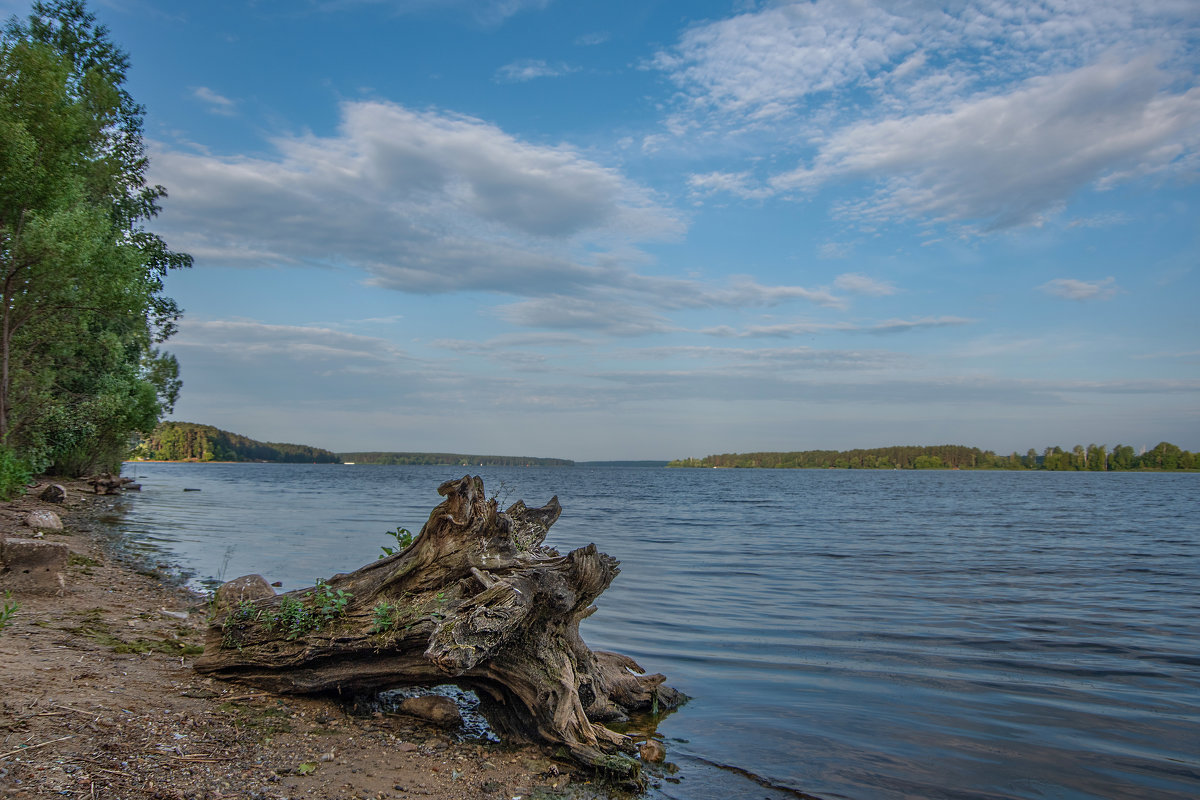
(384, 617)
(403, 539)
(10, 608)
(318, 608)
(330, 603)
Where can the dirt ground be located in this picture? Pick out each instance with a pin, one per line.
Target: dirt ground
(99, 700)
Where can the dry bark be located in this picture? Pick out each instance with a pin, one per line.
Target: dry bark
(477, 599)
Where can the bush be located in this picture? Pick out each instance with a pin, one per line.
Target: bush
(14, 474)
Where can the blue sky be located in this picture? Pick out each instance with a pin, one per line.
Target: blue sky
(601, 230)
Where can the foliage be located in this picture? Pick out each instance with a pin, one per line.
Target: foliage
(1164, 456)
(188, 441)
(295, 617)
(81, 280)
(14, 474)
(8, 610)
(403, 539)
(452, 459)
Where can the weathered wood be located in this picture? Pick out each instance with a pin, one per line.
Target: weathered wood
(476, 599)
(107, 483)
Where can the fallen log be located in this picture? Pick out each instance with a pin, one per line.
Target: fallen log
(476, 599)
(107, 483)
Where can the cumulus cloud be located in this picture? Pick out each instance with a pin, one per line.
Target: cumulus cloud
(422, 201)
(1072, 289)
(1008, 159)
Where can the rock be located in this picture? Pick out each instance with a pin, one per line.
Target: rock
(54, 493)
(247, 587)
(652, 751)
(432, 708)
(43, 520)
(33, 566)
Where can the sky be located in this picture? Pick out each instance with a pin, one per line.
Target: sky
(653, 230)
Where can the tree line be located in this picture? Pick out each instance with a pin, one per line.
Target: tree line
(188, 441)
(82, 308)
(1093, 458)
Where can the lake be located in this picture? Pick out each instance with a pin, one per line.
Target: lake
(844, 634)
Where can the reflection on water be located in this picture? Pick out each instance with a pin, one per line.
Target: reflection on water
(842, 633)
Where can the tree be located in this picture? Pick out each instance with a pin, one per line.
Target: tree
(81, 280)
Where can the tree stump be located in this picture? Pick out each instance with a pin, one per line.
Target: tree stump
(477, 600)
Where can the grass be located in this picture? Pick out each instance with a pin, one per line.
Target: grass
(9, 609)
(94, 628)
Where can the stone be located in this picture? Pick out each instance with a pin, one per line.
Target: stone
(652, 751)
(54, 493)
(432, 708)
(31, 565)
(247, 587)
(43, 520)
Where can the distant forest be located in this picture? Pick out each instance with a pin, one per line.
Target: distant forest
(1094, 458)
(188, 441)
(453, 459)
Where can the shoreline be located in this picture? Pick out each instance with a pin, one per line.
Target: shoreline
(101, 700)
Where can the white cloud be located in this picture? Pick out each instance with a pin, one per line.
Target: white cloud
(422, 201)
(1009, 159)
(1045, 98)
(1072, 289)
(787, 330)
(248, 340)
(217, 104)
(593, 39)
(777, 60)
(739, 184)
(861, 284)
(528, 69)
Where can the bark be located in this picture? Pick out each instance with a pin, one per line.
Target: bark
(477, 599)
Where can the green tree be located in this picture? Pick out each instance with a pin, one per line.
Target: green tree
(81, 281)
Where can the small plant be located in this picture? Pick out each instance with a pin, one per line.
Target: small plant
(10, 608)
(318, 608)
(246, 611)
(384, 617)
(403, 539)
(330, 603)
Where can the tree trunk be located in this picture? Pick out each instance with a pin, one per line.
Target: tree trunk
(476, 600)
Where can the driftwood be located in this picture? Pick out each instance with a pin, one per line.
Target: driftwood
(477, 600)
(107, 483)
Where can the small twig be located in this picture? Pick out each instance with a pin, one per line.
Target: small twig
(251, 696)
(34, 746)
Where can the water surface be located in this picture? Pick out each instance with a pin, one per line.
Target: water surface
(846, 634)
